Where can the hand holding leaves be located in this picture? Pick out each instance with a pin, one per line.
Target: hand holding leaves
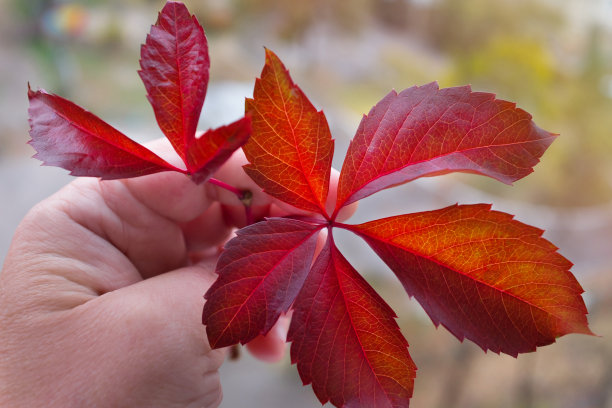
(175, 67)
(478, 272)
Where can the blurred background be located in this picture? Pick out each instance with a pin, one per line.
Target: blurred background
(552, 57)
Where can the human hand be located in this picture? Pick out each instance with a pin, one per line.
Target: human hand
(101, 293)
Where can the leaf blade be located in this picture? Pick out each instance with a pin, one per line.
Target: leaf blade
(66, 135)
(426, 131)
(175, 71)
(483, 275)
(345, 340)
(291, 149)
(208, 152)
(261, 271)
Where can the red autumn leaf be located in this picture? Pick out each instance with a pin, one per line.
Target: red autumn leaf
(175, 64)
(261, 271)
(291, 151)
(345, 340)
(68, 136)
(483, 275)
(175, 68)
(208, 152)
(426, 131)
(478, 272)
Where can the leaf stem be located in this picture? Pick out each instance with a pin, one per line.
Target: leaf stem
(227, 187)
(245, 197)
(333, 216)
(312, 220)
(347, 227)
(248, 212)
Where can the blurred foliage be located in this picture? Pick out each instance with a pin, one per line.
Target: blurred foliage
(505, 50)
(517, 68)
(293, 19)
(459, 27)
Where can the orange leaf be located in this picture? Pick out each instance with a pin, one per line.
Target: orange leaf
(483, 275)
(291, 149)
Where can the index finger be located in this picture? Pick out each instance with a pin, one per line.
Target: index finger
(176, 197)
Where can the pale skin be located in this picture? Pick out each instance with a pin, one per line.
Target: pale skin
(101, 293)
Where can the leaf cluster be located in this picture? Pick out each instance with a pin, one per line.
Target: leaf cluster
(478, 272)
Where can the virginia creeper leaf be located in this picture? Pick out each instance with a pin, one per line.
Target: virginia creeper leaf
(208, 152)
(175, 65)
(345, 339)
(426, 131)
(70, 137)
(261, 271)
(483, 275)
(291, 149)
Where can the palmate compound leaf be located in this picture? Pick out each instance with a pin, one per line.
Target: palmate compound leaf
(345, 339)
(482, 275)
(290, 150)
(261, 271)
(175, 72)
(478, 272)
(426, 131)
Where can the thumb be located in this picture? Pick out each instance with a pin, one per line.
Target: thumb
(153, 331)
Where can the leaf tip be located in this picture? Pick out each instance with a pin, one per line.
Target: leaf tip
(173, 4)
(588, 332)
(33, 94)
(273, 61)
(269, 54)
